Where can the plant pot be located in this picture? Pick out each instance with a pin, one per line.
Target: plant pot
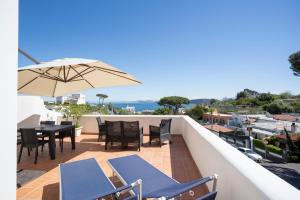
(78, 131)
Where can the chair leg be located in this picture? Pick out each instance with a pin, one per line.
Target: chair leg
(20, 153)
(36, 154)
(28, 150)
(98, 137)
(62, 145)
(43, 144)
(106, 141)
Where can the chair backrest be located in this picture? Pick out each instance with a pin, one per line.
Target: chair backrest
(165, 126)
(47, 122)
(131, 129)
(29, 137)
(66, 123)
(67, 132)
(114, 129)
(99, 121)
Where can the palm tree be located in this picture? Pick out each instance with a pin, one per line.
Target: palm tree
(101, 96)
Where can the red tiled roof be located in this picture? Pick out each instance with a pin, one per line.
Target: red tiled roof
(218, 128)
(285, 117)
(294, 137)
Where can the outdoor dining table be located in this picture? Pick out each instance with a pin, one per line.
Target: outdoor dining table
(50, 130)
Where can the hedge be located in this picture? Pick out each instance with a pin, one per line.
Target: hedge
(258, 143)
(274, 149)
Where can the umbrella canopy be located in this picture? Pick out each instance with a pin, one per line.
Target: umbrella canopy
(64, 76)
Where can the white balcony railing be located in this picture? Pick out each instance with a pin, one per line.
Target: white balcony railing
(239, 177)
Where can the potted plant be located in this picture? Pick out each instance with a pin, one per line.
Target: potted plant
(76, 111)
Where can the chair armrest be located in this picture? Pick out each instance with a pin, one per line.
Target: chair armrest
(174, 191)
(126, 188)
(155, 129)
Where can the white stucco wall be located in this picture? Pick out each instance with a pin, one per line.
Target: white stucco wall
(239, 176)
(31, 110)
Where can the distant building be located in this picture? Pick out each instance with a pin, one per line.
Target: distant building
(74, 98)
(284, 117)
(78, 99)
(62, 99)
(130, 109)
(216, 117)
(218, 128)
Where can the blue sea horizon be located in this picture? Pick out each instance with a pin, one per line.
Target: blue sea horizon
(139, 106)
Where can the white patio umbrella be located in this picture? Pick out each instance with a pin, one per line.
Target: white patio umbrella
(69, 75)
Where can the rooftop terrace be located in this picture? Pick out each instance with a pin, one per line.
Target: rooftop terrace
(174, 160)
(195, 152)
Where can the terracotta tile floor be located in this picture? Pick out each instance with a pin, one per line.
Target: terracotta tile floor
(174, 160)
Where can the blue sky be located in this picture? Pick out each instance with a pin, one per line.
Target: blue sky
(196, 49)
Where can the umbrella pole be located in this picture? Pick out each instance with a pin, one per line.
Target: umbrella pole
(28, 56)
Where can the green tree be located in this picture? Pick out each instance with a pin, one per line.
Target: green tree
(266, 97)
(214, 101)
(241, 94)
(173, 102)
(162, 111)
(285, 95)
(76, 111)
(278, 108)
(197, 111)
(101, 97)
(120, 111)
(295, 63)
(296, 106)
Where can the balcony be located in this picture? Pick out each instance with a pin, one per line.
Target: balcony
(195, 152)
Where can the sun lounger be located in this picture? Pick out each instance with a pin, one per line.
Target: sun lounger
(155, 183)
(85, 180)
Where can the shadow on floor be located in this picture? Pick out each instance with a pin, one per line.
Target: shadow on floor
(51, 191)
(25, 176)
(289, 175)
(183, 166)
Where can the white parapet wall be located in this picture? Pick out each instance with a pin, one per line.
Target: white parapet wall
(238, 176)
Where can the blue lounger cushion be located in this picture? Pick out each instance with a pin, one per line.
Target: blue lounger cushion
(83, 179)
(155, 183)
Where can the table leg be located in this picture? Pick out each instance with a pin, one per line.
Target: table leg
(52, 146)
(73, 137)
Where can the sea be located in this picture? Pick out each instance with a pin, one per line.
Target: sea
(140, 106)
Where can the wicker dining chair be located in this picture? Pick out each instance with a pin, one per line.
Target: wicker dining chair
(161, 132)
(101, 128)
(114, 132)
(63, 134)
(132, 133)
(30, 140)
